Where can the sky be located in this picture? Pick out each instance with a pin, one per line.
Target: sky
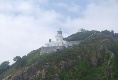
(26, 25)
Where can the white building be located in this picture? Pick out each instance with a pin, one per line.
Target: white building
(52, 46)
(59, 41)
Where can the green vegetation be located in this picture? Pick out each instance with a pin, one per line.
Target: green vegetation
(4, 66)
(80, 35)
(95, 58)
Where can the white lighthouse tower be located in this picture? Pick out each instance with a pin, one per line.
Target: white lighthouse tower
(59, 40)
(59, 37)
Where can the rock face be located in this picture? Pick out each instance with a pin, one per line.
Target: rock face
(35, 72)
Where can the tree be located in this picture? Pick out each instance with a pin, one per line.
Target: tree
(17, 58)
(82, 30)
(107, 32)
(4, 66)
(18, 61)
(23, 60)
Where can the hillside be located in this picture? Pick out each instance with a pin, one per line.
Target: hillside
(95, 58)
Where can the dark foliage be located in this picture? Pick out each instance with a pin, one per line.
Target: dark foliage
(4, 66)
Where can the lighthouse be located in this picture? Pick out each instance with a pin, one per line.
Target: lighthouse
(59, 36)
(53, 46)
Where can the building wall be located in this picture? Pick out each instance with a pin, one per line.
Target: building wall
(59, 37)
(54, 46)
(74, 42)
(56, 43)
(50, 49)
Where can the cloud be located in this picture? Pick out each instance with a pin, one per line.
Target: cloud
(101, 16)
(70, 7)
(26, 29)
(96, 16)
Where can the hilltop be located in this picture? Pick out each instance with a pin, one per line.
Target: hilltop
(95, 58)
